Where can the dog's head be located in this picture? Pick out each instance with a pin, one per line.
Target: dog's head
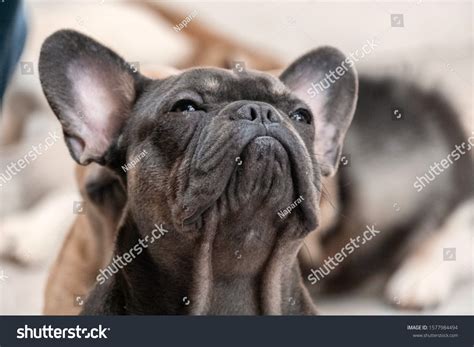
(244, 144)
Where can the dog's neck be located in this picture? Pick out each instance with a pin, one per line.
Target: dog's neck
(196, 274)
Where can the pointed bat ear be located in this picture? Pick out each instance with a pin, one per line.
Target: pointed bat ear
(327, 81)
(90, 89)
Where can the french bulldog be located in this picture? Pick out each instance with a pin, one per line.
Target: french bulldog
(216, 155)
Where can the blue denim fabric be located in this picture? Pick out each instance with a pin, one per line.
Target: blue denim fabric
(12, 39)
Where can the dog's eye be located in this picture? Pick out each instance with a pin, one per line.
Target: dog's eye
(184, 106)
(301, 115)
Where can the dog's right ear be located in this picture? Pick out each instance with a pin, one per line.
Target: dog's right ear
(90, 89)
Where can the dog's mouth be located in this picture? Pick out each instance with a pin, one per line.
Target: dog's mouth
(251, 170)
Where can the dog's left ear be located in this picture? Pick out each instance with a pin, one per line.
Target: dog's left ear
(90, 89)
(326, 80)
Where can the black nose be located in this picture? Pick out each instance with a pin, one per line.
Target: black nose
(258, 112)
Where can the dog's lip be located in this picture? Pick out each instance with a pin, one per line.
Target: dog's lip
(300, 173)
(262, 144)
(301, 177)
(262, 139)
(296, 158)
(194, 217)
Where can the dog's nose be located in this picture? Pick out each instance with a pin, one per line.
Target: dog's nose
(258, 112)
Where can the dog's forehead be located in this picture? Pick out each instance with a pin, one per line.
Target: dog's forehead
(228, 83)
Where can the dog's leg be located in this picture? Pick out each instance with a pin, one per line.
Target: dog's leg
(73, 273)
(210, 47)
(429, 273)
(89, 244)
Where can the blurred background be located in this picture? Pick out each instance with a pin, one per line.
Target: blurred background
(423, 41)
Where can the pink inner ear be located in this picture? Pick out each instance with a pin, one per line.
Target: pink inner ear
(97, 114)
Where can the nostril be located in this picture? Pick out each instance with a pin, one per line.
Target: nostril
(253, 113)
(269, 115)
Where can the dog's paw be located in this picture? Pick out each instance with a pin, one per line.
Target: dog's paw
(418, 286)
(14, 242)
(34, 236)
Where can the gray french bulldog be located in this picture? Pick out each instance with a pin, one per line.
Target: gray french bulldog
(216, 155)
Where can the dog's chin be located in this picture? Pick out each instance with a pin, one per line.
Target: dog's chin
(262, 175)
(264, 179)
